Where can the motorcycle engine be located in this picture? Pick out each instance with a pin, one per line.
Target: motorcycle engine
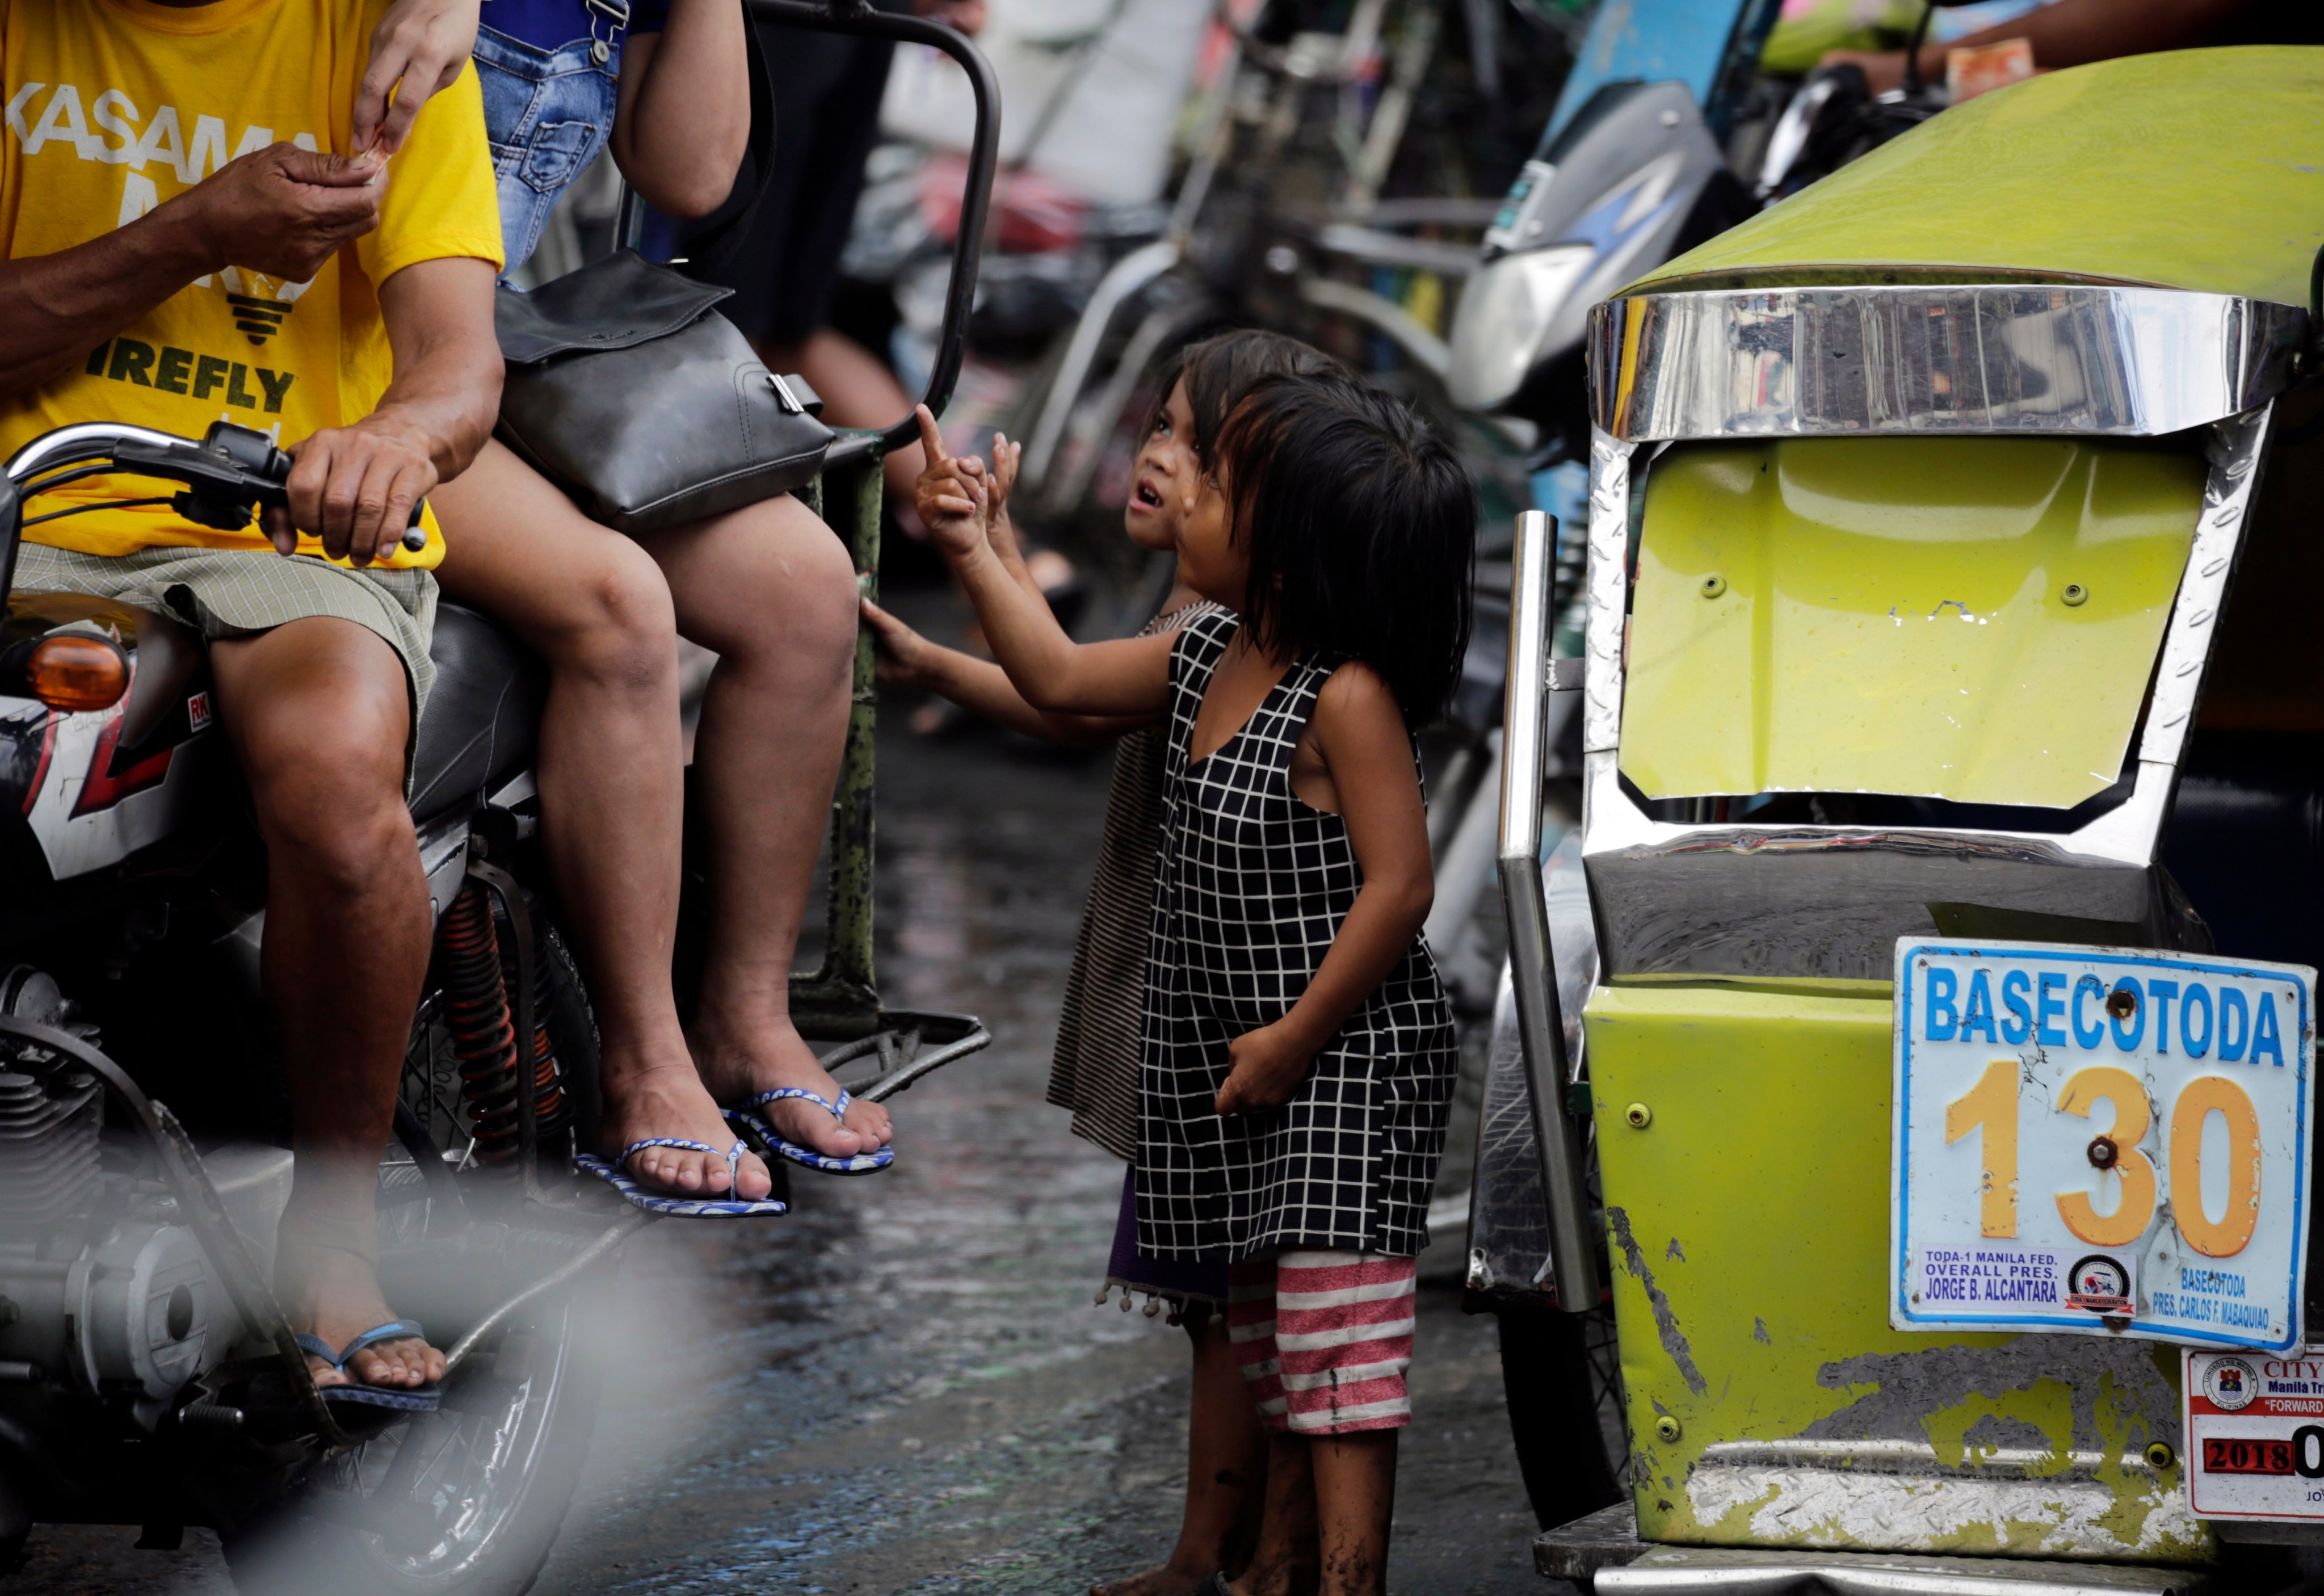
(103, 1293)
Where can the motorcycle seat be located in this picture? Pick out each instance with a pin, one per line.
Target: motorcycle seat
(482, 718)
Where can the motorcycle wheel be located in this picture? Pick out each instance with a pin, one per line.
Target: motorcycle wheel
(1563, 1379)
(466, 1502)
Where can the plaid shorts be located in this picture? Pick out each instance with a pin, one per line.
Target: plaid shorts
(1323, 1340)
(228, 593)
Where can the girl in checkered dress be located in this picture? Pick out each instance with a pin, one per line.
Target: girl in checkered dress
(1298, 1050)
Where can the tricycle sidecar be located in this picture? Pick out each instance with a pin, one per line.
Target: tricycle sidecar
(1951, 531)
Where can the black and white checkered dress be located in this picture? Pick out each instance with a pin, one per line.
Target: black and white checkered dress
(1252, 888)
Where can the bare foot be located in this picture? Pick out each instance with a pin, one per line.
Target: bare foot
(737, 1064)
(647, 1101)
(332, 1293)
(1165, 1581)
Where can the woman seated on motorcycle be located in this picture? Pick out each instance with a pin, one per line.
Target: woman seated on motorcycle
(768, 588)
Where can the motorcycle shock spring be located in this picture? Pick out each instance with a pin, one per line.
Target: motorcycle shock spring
(483, 1034)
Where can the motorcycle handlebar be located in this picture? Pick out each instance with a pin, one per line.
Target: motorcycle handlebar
(231, 474)
(855, 16)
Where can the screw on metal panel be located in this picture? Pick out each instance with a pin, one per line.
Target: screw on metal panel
(1668, 1428)
(2159, 1454)
(2075, 594)
(2122, 1002)
(1639, 1116)
(1713, 586)
(2103, 1152)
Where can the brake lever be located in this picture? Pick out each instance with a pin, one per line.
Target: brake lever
(231, 476)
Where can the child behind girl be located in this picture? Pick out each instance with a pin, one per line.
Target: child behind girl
(1095, 1073)
(1298, 1053)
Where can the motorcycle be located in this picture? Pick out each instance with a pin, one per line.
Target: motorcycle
(147, 1374)
(1884, 1051)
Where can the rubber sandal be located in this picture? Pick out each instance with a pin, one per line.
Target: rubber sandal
(665, 1203)
(829, 1163)
(402, 1399)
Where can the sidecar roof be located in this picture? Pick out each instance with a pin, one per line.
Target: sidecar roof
(2196, 169)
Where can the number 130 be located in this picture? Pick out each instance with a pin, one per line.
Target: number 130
(1992, 1105)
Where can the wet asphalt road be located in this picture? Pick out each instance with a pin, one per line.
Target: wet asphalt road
(904, 1386)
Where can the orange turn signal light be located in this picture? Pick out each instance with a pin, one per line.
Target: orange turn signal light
(76, 672)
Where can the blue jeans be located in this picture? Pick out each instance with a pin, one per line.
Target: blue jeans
(548, 113)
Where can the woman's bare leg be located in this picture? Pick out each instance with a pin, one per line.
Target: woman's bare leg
(1226, 1469)
(771, 590)
(594, 606)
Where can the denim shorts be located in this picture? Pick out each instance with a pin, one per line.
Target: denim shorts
(548, 113)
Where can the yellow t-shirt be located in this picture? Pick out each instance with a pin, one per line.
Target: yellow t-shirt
(113, 106)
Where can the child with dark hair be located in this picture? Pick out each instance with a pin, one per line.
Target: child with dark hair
(1095, 1073)
(1298, 1053)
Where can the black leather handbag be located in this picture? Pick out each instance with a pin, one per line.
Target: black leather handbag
(626, 389)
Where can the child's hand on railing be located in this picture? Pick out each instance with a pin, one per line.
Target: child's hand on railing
(901, 655)
(1265, 1069)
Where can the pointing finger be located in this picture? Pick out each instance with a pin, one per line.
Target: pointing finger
(930, 438)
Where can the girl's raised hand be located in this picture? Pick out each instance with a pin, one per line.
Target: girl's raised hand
(950, 506)
(1005, 455)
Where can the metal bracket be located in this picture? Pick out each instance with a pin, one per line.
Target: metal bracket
(1541, 1023)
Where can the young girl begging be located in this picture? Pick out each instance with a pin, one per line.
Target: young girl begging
(1095, 1073)
(1297, 1054)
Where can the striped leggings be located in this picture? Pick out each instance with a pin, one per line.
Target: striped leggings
(1324, 1339)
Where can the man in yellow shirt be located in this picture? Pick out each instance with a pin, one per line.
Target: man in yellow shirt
(191, 236)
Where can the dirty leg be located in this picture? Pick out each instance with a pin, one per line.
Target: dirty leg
(1284, 1563)
(1226, 1469)
(1355, 1496)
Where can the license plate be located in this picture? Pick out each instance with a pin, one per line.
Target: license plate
(2099, 1140)
(2255, 1429)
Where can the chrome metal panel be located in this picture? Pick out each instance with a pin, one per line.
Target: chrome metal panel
(1712, 898)
(2236, 447)
(1718, 1571)
(1929, 359)
(1572, 1239)
(1609, 591)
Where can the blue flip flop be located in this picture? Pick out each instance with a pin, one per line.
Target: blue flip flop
(402, 1399)
(666, 1203)
(829, 1163)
